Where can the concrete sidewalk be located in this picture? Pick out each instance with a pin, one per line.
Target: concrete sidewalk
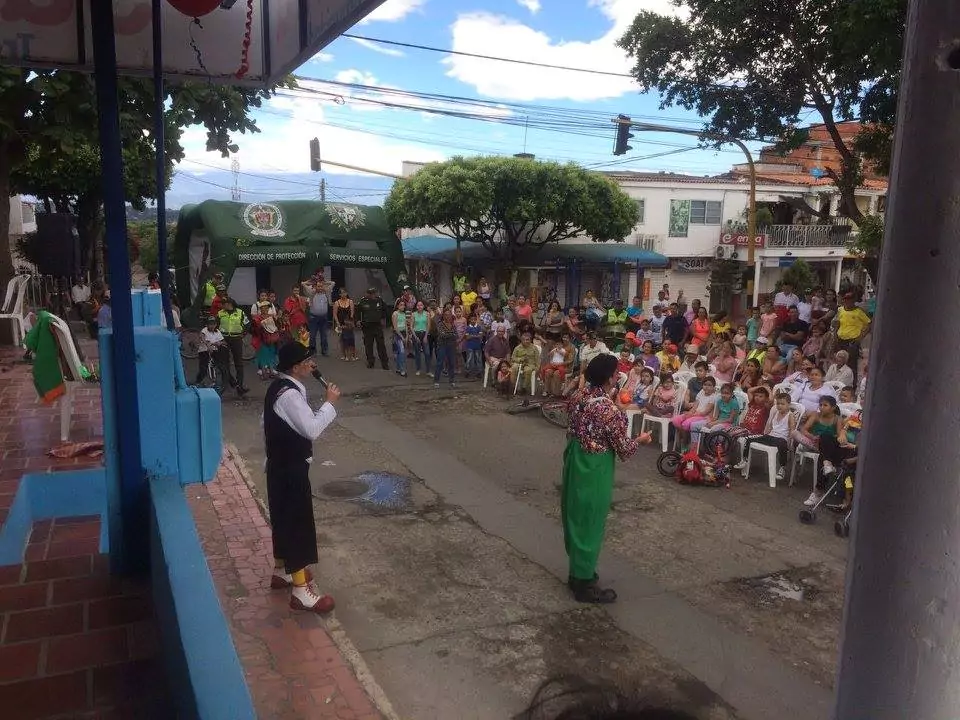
(297, 665)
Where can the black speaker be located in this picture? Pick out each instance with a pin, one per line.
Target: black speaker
(57, 245)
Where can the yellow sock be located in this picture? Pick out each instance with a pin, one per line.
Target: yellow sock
(300, 577)
(278, 564)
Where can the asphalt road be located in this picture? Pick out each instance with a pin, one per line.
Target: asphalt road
(450, 582)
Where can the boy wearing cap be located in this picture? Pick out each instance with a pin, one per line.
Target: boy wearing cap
(290, 426)
(690, 356)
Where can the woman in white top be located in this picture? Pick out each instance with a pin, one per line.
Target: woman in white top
(780, 425)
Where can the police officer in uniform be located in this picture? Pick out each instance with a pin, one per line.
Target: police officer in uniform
(290, 426)
(371, 312)
(234, 324)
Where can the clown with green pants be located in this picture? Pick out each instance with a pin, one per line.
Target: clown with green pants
(597, 437)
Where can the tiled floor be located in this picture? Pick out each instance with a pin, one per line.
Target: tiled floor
(77, 643)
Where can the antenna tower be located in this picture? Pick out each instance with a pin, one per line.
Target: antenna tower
(235, 169)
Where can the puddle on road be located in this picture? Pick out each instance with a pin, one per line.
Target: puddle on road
(377, 490)
(779, 587)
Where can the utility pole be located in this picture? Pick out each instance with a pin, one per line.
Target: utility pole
(235, 169)
(899, 655)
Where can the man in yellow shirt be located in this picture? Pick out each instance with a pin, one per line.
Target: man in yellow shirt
(469, 297)
(852, 325)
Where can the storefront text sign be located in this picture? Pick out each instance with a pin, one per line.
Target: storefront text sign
(742, 240)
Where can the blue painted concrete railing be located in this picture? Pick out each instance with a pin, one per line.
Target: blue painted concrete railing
(42, 496)
(203, 669)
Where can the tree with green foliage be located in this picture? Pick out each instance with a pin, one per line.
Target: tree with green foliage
(511, 205)
(800, 276)
(49, 144)
(758, 72)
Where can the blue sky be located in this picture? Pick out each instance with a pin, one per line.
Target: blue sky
(573, 33)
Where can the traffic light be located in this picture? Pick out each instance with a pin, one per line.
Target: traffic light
(315, 155)
(620, 146)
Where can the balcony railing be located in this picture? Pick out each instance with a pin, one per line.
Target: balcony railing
(799, 236)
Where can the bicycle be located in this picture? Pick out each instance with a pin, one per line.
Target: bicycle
(213, 375)
(190, 341)
(553, 411)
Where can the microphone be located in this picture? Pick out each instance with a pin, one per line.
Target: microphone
(318, 376)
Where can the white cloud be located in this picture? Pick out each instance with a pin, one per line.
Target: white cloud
(499, 36)
(283, 146)
(394, 11)
(355, 77)
(321, 57)
(531, 5)
(377, 48)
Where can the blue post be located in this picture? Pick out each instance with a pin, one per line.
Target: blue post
(133, 546)
(158, 135)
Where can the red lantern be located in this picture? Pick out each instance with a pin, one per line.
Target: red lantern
(195, 8)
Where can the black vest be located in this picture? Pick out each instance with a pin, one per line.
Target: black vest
(284, 444)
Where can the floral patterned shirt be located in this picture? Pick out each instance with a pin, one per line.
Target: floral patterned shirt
(599, 425)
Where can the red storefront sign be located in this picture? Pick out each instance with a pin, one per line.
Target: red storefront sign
(742, 240)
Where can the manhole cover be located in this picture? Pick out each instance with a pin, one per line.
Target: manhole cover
(345, 489)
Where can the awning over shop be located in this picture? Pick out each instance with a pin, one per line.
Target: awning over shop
(438, 247)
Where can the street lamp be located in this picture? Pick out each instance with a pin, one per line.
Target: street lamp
(624, 123)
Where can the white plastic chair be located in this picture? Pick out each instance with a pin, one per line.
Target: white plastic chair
(13, 287)
(771, 451)
(533, 377)
(683, 376)
(837, 386)
(801, 453)
(848, 409)
(71, 367)
(664, 422)
(13, 306)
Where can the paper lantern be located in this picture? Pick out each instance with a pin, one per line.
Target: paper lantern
(195, 8)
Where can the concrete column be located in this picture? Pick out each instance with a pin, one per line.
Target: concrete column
(633, 283)
(839, 276)
(900, 655)
(756, 281)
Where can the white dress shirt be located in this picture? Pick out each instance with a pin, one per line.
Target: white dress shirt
(292, 407)
(80, 293)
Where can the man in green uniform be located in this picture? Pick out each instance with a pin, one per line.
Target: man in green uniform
(524, 360)
(371, 311)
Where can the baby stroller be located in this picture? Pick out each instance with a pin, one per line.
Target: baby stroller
(833, 499)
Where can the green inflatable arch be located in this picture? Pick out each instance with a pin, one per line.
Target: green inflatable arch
(219, 235)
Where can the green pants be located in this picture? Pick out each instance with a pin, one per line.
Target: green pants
(584, 504)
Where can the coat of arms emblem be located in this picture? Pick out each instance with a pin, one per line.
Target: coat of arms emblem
(263, 219)
(346, 217)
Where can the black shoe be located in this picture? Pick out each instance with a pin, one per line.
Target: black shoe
(587, 591)
(385, 367)
(571, 581)
(241, 391)
(369, 366)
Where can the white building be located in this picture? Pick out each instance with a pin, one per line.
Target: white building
(23, 220)
(693, 220)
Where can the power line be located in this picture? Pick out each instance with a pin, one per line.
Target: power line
(480, 56)
(414, 46)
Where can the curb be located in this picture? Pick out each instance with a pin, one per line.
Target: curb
(331, 624)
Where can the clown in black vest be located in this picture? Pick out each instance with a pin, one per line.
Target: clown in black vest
(290, 426)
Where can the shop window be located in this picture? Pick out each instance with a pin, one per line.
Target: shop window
(705, 212)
